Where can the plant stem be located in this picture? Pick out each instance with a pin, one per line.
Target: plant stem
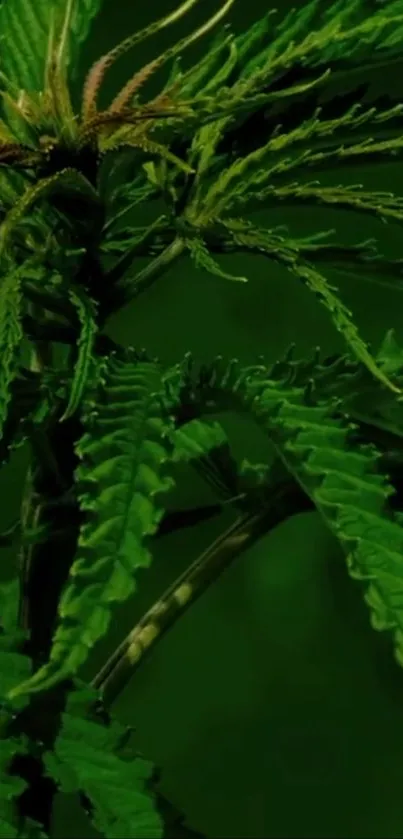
(246, 530)
(41, 355)
(139, 248)
(128, 288)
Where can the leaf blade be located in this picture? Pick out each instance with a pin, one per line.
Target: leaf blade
(123, 454)
(25, 27)
(85, 363)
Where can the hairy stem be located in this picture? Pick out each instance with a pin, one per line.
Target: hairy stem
(284, 501)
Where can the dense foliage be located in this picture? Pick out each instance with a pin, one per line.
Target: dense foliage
(107, 426)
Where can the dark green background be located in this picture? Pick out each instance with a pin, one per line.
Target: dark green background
(272, 707)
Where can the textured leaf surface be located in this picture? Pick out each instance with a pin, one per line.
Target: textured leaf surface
(10, 788)
(30, 404)
(123, 453)
(197, 438)
(13, 668)
(24, 30)
(360, 395)
(85, 759)
(84, 12)
(283, 251)
(85, 363)
(205, 446)
(203, 259)
(341, 478)
(69, 179)
(11, 335)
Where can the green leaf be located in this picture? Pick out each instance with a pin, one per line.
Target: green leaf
(11, 335)
(30, 404)
(341, 477)
(390, 354)
(194, 80)
(86, 758)
(347, 31)
(205, 446)
(83, 13)
(12, 185)
(342, 320)
(122, 473)
(196, 439)
(25, 27)
(14, 666)
(85, 364)
(384, 205)
(203, 259)
(67, 180)
(324, 141)
(286, 253)
(11, 788)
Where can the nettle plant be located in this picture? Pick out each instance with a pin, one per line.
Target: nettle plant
(107, 425)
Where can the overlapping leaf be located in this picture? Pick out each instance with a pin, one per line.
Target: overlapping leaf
(206, 447)
(11, 787)
(67, 179)
(123, 455)
(316, 444)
